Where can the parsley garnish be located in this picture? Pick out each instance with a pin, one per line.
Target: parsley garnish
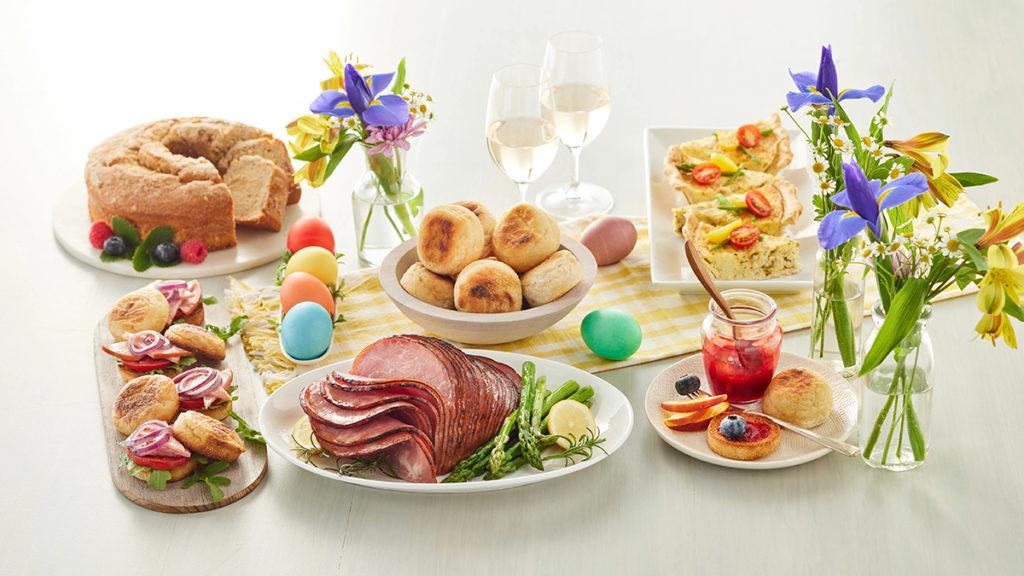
(208, 475)
(209, 300)
(766, 132)
(246, 431)
(747, 152)
(686, 167)
(157, 478)
(225, 333)
(725, 204)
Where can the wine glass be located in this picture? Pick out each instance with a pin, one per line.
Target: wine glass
(579, 108)
(521, 140)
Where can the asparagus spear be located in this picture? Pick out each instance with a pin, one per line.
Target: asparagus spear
(497, 456)
(531, 446)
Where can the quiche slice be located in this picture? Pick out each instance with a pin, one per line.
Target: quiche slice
(682, 180)
(725, 208)
(771, 154)
(769, 257)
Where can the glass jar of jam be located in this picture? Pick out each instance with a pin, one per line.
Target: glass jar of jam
(740, 353)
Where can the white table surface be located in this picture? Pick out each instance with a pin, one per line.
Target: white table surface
(74, 73)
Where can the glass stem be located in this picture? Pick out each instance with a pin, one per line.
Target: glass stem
(573, 191)
(522, 191)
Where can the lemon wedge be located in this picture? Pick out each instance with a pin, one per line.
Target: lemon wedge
(570, 420)
(302, 435)
(727, 141)
(721, 234)
(724, 163)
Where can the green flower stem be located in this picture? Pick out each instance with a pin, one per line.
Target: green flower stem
(914, 432)
(841, 318)
(366, 226)
(876, 430)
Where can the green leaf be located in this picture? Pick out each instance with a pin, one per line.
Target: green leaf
(344, 145)
(851, 130)
(414, 207)
(309, 154)
(225, 333)
(399, 83)
(902, 317)
(216, 467)
(215, 492)
(968, 179)
(686, 167)
(1013, 310)
(157, 236)
(766, 132)
(970, 235)
(158, 479)
(209, 300)
(246, 431)
(104, 257)
(875, 129)
(220, 480)
(141, 260)
(980, 263)
(126, 230)
(965, 276)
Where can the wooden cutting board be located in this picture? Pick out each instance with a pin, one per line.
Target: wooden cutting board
(245, 474)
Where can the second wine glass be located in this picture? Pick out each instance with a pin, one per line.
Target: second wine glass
(521, 139)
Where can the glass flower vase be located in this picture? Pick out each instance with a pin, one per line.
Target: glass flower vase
(838, 307)
(896, 402)
(386, 205)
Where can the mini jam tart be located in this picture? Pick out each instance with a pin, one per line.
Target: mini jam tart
(760, 439)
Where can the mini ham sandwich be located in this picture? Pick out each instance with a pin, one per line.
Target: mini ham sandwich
(154, 455)
(148, 352)
(205, 390)
(185, 300)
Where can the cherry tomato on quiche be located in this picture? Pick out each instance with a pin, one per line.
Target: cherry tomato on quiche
(706, 174)
(158, 462)
(757, 204)
(310, 231)
(744, 237)
(748, 135)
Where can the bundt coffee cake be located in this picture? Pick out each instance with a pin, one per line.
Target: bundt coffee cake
(200, 176)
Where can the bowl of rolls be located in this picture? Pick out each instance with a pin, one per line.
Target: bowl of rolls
(472, 278)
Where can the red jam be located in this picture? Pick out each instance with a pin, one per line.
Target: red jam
(741, 368)
(756, 431)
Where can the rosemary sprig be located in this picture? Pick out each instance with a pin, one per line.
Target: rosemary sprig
(355, 468)
(582, 447)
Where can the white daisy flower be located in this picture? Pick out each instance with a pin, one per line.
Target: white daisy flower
(881, 119)
(949, 244)
(818, 167)
(873, 250)
(825, 186)
(837, 121)
(840, 144)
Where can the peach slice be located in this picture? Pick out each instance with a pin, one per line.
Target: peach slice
(693, 405)
(690, 421)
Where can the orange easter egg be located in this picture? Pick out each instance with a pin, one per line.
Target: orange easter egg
(304, 287)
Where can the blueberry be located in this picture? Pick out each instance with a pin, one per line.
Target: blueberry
(688, 384)
(114, 246)
(166, 253)
(733, 427)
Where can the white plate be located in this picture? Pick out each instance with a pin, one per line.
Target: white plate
(255, 247)
(611, 410)
(668, 261)
(793, 449)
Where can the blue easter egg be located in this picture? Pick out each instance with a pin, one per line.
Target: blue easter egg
(306, 331)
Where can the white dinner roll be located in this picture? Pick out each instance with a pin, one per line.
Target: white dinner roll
(552, 278)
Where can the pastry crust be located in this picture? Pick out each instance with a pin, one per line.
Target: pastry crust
(488, 286)
(779, 192)
(525, 236)
(428, 287)
(204, 435)
(198, 340)
(451, 237)
(150, 397)
(552, 278)
(743, 449)
(798, 396)
(143, 309)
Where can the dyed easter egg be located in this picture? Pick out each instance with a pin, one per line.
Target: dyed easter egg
(310, 231)
(315, 260)
(304, 287)
(306, 331)
(612, 333)
(609, 239)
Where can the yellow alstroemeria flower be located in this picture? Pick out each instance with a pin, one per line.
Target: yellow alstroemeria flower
(992, 327)
(1003, 281)
(1002, 227)
(927, 149)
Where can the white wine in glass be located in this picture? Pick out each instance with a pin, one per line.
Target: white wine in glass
(579, 107)
(522, 141)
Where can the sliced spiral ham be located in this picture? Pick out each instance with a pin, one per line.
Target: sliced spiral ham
(419, 403)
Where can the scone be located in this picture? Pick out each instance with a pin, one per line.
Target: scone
(769, 257)
(725, 208)
(486, 220)
(798, 396)
(760, 439)
(771, 154)
(552, 278)
(450, 238)
(428, 287)
(209, 437)
(525, 236)
(198, 340)
(488, 286)
(150, 397)
(144, 309)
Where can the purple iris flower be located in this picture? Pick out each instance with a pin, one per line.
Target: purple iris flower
(863, 201)
(362, 97)
(821, 87)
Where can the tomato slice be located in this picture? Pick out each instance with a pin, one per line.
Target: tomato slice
(758, 205)
(744, 237)
(146, 364)
(748, 135)
(706, 174)
(158, 462)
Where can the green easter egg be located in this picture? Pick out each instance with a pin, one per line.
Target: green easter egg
(612, 333)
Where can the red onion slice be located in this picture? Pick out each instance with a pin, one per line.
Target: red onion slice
(142, 343)
(198, 382)
(148, 437)
(167, 287)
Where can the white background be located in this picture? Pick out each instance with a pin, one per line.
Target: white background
(74, 73)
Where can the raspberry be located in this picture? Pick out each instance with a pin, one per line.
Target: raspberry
(98, 234)
(192, 251)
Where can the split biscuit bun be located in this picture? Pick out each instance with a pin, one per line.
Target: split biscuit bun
(198, 340)
(204, 435)
(488, 286)
(176, 473)
(128, 375)
(450, 238)
(197, 317)
(428, 287)
(552, 278)
(150, 397)
(525, 236)
(143, 309)
(487, 221)
(216, 412)
(798, 396)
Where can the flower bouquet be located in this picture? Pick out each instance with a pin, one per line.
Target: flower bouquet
(894, 195)
(382, 113)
